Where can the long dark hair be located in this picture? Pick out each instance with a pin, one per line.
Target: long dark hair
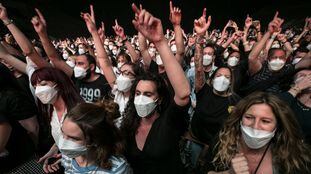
(131, 119)
(102, 138)
(64, 86)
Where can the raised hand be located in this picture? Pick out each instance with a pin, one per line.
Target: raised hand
(3, 13)
(175, 14)
(148, 25)
(39, 22)
(307, 26)
(101, 32)
(239, 164)
(201, 25)
(248, 22)
(275, 24)
(89, 22)
(119, 30)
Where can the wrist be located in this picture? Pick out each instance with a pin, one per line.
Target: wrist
(296, 88)
(161, 42)
(7, 21)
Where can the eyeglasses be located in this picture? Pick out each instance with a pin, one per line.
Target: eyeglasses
(126, 73)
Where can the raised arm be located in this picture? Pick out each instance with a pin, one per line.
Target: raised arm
(120, 32)
(247, 24)
(254, 61)
(22, 40)
(102, 57)
(306, 28)
(151, 28)
(39, 25)
(144, 50)
(8, 58)
(234, 37)
(287, 45)
(175, 18)
(200, 27)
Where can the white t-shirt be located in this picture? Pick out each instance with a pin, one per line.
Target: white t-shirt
(121, 100)
(56, 125)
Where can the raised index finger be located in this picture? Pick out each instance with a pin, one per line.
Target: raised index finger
(171, 6)
(204, 12)
(92, 13)
(276, 15)
(116, 22)
(39, 14)
(135, 9)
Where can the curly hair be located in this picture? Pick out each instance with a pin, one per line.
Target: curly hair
(289, 152)
(102, 138)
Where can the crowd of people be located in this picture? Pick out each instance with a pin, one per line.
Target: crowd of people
(235, 101)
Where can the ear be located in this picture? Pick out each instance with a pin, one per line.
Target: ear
(92, 67)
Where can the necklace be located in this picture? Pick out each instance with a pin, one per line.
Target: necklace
(302, 106)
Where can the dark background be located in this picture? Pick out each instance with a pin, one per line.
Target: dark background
(63, 16)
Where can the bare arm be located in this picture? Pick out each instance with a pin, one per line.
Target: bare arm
(5, 132)
(16, 63)
(39, 24)
(144, 50)
(153, 31)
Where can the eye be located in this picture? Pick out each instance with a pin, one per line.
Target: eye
(266, 121)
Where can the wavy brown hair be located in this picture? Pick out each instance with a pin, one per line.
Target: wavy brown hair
(102, 138)
(289, 152)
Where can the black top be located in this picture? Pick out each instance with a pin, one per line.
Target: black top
(23, 82)
(268, 81)
(15, 106)
(93, 91)
(210, 113)
(160, 153)
(302, 113)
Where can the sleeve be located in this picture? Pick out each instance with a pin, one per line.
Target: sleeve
(287, 97)
(177, 116)
(202, 91)
(21, 107)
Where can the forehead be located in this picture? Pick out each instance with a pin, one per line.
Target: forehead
(304, 73)
(146, 86)
(208, 50)
(261, 110)
(81, 58)
(236, 54)
(278, 53)
(70, 128)
(223, 71)
(127, 67)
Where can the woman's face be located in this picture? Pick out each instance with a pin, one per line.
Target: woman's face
(127, 71)
(223, 72)
(71, 131)
(260, 116)
(45, 83)
(147, 88)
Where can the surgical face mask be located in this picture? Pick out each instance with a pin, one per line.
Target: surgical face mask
(276, 64)
(207, 59)
(70, 63)
(144, 105)
(65, 56)
(70, 148)
(233, 61)
(79, 72)
(192, 64)
(255, 138)
(276, 46)
(81, 51)
(120, 64)
(46, 94)
(296, 60)
(114, 52)
(159, 60)
(174, 48)
(221, 83)
(124, 83)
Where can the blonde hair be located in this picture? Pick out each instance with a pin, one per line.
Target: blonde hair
(289, 152)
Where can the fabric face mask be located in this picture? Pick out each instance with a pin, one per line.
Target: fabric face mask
(46, 94)
(221, 83)
(296, 60)
(144, 105)
(255, 138)
(70, 148)
(233, 61)
(79, 72)
(207, 60)
(159, 60)
(70, 63)
(276, 64)
(124, 84)
(81, 51)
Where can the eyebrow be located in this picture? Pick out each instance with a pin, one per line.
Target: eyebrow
(72, 137)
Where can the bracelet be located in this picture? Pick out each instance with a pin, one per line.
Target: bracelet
(6, 23)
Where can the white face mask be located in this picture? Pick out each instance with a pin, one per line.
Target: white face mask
(174, 48)
(144, 105)
(110, 47)
(226, 54)
(159, 60)
(221, 83)
(65, 56)
(255, 138)
(152, 51)
(70, 148)
(296, 60)
(119, 65)
(81, 51)
(276, 64)
(79, 72)
(275, 46)
(192, 64)
(124, 84)
(70, 63)
(309, 47)
(207, 59)
(114, 52)
(46, 94)
(233, 61)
